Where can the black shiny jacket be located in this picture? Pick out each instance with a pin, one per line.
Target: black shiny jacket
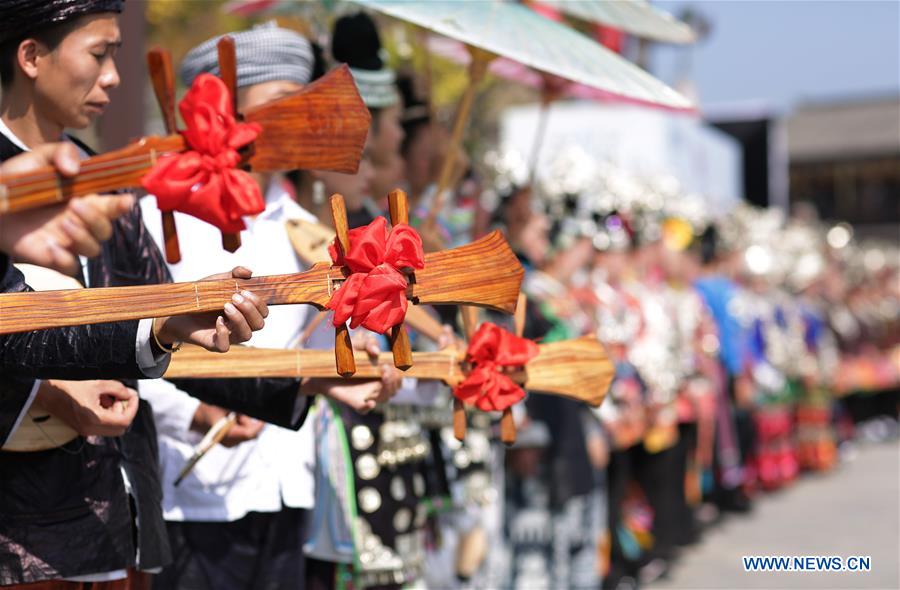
(65, 512)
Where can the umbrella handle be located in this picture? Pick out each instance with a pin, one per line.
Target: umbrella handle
(477, 69)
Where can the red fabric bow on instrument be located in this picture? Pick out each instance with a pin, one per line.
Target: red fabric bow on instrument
(374, 295)
(486, 387)
(203, 180)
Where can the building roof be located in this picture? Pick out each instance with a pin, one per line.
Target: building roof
(848, 129)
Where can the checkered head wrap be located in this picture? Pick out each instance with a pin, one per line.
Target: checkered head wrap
(264, 53)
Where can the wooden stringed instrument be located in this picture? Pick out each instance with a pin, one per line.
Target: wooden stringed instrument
(578, 369)
(484, 273)
(293, 128)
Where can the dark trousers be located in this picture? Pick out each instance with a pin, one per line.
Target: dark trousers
(619, 473)
(262, 551)
(320, 575)
(661, 476)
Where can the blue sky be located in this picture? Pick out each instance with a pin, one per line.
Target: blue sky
(778, 54)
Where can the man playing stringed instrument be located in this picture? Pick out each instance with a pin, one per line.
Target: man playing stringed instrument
(56, 68)
(44, 237)
(250, 497)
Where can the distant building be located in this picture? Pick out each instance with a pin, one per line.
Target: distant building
(760, 132)
(845, 160)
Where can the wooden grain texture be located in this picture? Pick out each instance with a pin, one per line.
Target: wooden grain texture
(192, 362)
(520, 315)
(228, 73)
(578, 369)
(162, 76)
(227, 56)
(343, 347)
(459, 419)
(486, 267)
(479, 274)
(469, 316)
(170, 237)
(507, 422)
(321, 127)
(507, 427)
(32, 311)
(398, 204)
(114, 170)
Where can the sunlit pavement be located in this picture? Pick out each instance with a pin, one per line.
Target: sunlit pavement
(852, 511)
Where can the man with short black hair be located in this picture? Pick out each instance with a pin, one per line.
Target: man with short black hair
(90, 511)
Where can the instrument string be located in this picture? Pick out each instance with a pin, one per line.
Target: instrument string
(21, 191)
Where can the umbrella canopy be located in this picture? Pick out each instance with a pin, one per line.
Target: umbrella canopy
(635, 17)
(520, 34)
(508, 69)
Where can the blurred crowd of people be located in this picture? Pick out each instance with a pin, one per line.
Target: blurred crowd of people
(748, 348)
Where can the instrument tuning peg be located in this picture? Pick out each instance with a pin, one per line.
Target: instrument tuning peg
(343, 348)
(399, 209)
(228, 73)
(159, 62)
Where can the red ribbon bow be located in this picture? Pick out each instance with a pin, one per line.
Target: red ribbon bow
(486, 387)
(203, 181)
(374, 295)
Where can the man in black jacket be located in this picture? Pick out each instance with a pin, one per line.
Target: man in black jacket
(90, 511)
(55, 237)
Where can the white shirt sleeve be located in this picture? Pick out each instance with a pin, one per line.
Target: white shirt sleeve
(173, 409)
(417, 393)
(152, 365)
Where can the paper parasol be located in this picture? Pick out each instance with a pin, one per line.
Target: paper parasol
(497, 28)
(635, 17)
